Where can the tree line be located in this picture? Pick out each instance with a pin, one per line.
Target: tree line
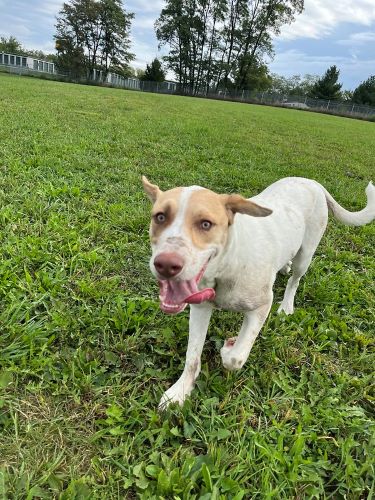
(211, 45)
(325, 87)
(221, 43)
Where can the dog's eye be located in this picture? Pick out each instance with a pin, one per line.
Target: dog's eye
(159, 218)
(206, 225)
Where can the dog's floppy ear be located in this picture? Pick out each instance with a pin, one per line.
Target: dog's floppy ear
(234, 203)
(151, 190)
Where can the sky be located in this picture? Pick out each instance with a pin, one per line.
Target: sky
(340, 32)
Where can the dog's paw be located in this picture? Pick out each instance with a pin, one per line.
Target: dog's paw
(285, 308)
(174, 394)
(230, 358)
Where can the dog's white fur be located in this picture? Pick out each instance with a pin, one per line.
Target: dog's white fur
(243, 270)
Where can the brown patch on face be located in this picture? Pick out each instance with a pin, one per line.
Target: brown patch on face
(206, 206)
(167, 204)
(206, 216)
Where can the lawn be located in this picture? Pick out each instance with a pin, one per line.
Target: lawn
(85, 352)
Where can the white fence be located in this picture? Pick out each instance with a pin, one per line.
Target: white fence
(26, 62)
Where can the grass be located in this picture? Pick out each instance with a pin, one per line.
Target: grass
(85, 353)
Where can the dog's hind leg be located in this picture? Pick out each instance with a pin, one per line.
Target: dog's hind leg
(199, 319)
(301, 263)
(313, 234)
(235, 351)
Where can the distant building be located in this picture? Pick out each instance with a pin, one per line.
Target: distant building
(26, 62)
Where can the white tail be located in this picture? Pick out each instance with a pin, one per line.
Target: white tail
(353, 218)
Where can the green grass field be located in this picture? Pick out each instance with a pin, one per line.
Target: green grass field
(85, 353)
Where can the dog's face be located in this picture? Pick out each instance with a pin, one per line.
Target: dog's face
(189, 228)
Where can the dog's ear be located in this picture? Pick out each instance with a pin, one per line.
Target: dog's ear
(151, 190)
(234, 203)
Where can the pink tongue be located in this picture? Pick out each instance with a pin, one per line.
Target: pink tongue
(182, 292)
(201, 296)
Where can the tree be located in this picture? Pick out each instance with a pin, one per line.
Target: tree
(261, 20)
(365, 92)
(327, 87)
(218, 42)
(257, 78)
(39, 54)
(11, 45)
(71, 58)
(154, 72)
(294, 85)
(95, 33)
(347, 95)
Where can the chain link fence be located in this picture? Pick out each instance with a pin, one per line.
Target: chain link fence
(341, 108)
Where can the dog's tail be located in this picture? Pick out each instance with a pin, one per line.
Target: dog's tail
(353, 218)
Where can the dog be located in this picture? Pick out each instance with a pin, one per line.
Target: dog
(216, 250)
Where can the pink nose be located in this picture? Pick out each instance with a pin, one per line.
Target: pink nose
(168, 264)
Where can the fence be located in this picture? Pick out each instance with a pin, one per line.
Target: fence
(20, 62)
(275, 99)
(247, 96)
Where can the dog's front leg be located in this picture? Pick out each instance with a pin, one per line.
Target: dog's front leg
(199, 319)
(236, 350)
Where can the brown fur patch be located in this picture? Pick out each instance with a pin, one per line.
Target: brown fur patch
(202, 205)
(167, 204)
(205, 205)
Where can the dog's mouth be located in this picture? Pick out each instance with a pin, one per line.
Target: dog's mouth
(175, 295)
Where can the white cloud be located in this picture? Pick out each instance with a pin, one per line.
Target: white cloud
(154, 6)
(320, 17)
(12, 25)
(49, 8)
(145, 52)
(356, 39)
(144, 23)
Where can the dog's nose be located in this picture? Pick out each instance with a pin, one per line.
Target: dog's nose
(168, 264)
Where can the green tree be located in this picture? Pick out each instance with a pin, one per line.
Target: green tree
(365, 92)
(95, 32)
(71, 58)
(154, 72)
(347, 95)
(293, 85)
(115, 45)
(11, 45)
(257, 78)
(215, 42)
(327, 87)
(262, 20)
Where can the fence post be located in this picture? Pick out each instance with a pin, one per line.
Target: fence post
(328, 104)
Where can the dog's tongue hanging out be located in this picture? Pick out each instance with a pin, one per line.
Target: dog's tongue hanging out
(175, 295)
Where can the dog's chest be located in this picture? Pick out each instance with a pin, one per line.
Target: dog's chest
(233, 295)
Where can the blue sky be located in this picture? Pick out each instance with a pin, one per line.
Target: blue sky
(340, 32)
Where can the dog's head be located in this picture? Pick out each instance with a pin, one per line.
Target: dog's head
(189, 228)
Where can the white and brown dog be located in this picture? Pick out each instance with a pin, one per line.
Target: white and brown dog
(213, 250)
